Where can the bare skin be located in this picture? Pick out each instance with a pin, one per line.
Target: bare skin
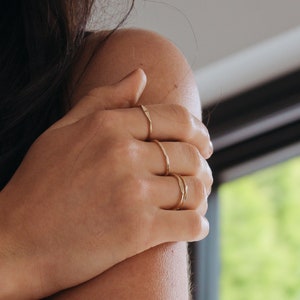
(64, 220)
(162, 272)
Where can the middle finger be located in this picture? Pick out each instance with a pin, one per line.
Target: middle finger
(182, 158)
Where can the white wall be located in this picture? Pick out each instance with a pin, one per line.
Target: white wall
(221, 27)
(232, 45)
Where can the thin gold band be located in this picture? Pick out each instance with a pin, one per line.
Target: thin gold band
(183, 189)
(167, 160)
(147, 115)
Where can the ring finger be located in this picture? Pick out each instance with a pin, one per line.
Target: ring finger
(165, 193)
(174, 157)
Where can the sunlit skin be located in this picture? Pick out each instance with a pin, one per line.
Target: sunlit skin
(58, 234)
(162, 272)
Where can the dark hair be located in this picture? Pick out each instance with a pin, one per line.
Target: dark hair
(40, 40)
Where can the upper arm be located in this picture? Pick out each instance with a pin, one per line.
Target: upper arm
(161, 272)
(169, 77)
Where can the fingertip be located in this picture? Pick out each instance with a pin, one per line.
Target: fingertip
(141, 72)
(142, 82)
(205, 228)
(211, 149)
(131, 87)
(138, 74)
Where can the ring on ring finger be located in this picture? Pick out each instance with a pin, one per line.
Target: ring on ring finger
(183, 190)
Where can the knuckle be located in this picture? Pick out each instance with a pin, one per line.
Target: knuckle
(125, 150)
(194, 156)
(186, 120)
(208, 172)
(190, 126)
(210, 179)
(134, 189)
(199, 188)
(179, 108)
(205, 132)
(181, 113)
(139, 186)
(122, 154)
(199, 192)
(195, 225)
(203, 207)
(108, 119)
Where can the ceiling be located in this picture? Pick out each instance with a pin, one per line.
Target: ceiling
(210, 32)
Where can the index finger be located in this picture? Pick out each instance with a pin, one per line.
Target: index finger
(170, 122)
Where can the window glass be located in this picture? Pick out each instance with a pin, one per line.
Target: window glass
(260, 235)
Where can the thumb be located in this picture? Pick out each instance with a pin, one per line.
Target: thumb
(127, 92)
(122, 94)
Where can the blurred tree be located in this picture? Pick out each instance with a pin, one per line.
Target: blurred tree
(260, 219)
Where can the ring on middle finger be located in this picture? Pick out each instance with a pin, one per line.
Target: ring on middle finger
(167, 160)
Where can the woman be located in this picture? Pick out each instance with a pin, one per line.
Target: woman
(113, 165)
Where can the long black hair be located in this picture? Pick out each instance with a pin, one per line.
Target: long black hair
(40, 39)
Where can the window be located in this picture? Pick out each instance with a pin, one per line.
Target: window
(259, 232)
(250, 132)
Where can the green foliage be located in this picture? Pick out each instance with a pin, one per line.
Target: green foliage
(260, 239)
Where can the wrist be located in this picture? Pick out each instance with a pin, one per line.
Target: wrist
(18, 278)
(19, 275)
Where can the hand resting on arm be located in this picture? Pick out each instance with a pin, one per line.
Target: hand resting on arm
(79, 194)
(163, 271)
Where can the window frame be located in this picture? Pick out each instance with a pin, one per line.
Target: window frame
(246, 139)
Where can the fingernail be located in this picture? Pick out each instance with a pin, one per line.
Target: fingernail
(211, 149)
(205, 227)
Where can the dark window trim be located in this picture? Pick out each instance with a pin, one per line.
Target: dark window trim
(255, 123)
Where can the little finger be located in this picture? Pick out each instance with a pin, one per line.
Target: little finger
(175, 226)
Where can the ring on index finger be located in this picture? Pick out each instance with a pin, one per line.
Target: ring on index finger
(147, 115)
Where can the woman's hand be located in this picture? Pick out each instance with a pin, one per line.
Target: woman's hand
(90, 192)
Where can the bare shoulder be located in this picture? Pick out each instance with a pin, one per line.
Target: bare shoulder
(170, 78)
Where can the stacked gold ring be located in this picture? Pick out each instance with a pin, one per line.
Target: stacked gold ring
(181, 181)
(183, 189)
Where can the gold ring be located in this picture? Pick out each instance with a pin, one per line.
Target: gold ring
(147, 115)
(183, 189)
(167, 160)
